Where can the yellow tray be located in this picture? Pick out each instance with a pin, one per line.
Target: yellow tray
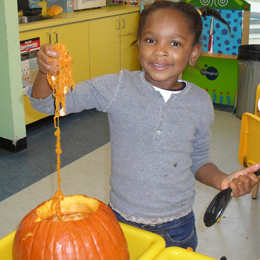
(142, 245)
(177, 253)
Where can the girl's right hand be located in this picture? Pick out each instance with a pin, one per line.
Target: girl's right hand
(241, 182)
(47, 59)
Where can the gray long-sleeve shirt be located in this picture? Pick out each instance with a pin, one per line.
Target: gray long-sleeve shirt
(156, 147)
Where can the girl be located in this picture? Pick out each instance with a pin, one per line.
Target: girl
(159, 125)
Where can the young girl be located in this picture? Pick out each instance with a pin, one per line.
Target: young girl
(160, 126)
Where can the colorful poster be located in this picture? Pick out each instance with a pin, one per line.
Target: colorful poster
(223, 41)
(29, 66)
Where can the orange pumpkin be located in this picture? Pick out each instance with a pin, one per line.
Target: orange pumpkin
(88, 230)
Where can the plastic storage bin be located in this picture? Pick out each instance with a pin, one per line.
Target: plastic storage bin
(142, 245)
(248, 78)
(177, 253)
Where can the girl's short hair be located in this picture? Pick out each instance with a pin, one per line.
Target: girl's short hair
(192, 15)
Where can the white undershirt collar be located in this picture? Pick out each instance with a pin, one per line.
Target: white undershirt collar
(166, 94)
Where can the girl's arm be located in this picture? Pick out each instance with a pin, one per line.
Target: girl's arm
(47, 62)
(241, 182)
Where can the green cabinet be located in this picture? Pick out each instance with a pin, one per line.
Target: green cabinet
(218, 75)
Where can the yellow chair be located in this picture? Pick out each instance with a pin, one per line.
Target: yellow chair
(257, 113)
(257, 101)
(249, 146)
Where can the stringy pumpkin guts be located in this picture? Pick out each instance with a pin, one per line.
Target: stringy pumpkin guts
(68, 227)
(60, 84)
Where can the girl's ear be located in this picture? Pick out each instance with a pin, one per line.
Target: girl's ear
(195, 54)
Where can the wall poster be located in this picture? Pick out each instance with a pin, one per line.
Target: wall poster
(29, 66)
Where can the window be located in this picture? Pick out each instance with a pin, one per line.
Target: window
(254, 28)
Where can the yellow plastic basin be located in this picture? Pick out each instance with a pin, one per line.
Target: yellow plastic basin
(142, 245)
(177, 253)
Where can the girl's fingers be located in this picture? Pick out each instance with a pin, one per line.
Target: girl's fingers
(243, 184)
(47, 60)
(243, 172)
(49, 51)
(252, 168)
(252, 177)
(46, 68)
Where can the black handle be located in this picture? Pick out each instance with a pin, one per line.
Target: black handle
(257, 173)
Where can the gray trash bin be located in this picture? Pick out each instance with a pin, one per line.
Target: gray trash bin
(248, 78)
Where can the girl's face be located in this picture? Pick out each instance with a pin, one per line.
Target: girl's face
(166, 47)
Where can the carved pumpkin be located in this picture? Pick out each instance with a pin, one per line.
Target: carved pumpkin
(88, 230)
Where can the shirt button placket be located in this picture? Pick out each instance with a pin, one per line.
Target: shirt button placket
(158, 134)
(157, 139)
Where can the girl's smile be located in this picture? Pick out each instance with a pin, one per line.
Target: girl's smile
(164, 54)
(160, 66)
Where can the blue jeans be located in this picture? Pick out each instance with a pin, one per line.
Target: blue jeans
(179, 232)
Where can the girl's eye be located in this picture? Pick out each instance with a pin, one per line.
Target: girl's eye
(149, 40)
(175, 44)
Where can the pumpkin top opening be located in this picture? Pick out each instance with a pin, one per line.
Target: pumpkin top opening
(72, 208)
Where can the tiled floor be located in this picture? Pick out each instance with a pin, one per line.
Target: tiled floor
(236, 236)
(81, 133)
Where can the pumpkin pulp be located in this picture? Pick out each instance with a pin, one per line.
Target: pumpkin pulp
(60, 84)
(72, 208)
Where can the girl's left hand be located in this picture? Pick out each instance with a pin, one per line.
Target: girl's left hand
(241, 182)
